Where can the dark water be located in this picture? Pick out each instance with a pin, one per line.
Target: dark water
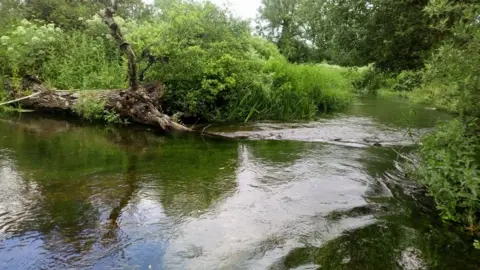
(90, 197)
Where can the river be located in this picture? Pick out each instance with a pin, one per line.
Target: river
(325, 194)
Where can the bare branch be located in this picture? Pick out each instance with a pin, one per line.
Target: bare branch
(124, 45)
(20, 99)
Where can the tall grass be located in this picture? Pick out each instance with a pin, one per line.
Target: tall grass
(294, 91)
(81, 61)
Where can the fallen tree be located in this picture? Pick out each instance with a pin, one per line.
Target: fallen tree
(139, 103)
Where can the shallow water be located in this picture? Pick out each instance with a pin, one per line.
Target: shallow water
(90, 197)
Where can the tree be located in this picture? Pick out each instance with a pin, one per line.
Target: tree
(279, 22)
(394, 34)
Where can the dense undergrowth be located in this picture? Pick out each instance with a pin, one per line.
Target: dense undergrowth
(448, 167)
(213, 68)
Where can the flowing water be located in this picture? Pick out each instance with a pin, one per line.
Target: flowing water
(283, 196)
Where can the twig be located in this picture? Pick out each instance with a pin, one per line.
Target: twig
(204, 129)
(19, 99)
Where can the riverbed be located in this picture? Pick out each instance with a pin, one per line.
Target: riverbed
(326, 194)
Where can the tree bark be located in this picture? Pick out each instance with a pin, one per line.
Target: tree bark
(139, 106)
(124, 45)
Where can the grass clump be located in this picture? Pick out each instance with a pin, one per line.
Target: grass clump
(90, 108)
(295, 91)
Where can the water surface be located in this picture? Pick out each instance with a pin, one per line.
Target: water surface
(88, 197)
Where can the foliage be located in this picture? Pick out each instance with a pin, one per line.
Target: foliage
(407, 80)
(449, 157)
(81, 61)
(393, 34)
(371, 79)
(68, 14)
(451, 79)
(215, 70)
(67, 60)
(26, 47)
(449, 170)
(89, 108)
(295, 91)
(280, 21)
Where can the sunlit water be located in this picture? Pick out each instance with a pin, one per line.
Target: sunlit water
(303, 196)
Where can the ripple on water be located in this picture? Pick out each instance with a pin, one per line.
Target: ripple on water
(346, 131)
(81, 199)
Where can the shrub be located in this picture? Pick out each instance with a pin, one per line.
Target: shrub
(407, 80)
(449, 169)
(451, 75)
(89, 108)
(215, 70)
(370, 80)
(26, 47)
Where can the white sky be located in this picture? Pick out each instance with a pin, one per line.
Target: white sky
(245, 9)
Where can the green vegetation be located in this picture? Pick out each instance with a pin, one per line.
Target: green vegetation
(449, 169)
(214, 69)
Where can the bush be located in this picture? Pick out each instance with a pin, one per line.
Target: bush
(26, 47)
(451, 75)
(370, 80)
(407, 80)
(452, 82)
(449, 169)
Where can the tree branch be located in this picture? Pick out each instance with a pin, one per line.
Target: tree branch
(20, 99)
(124, 45)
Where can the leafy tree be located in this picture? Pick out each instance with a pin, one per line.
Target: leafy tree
(394, 34)
(280, 22)
(451, 74)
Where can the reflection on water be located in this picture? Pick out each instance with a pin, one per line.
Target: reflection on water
(74, 196)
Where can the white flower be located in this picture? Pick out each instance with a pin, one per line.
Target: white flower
(4, 38)
(119, 20)
(9, 49)
(35, 39)
(21, 30)
(25, 22)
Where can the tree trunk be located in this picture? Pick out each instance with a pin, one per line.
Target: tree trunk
(139, 106)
